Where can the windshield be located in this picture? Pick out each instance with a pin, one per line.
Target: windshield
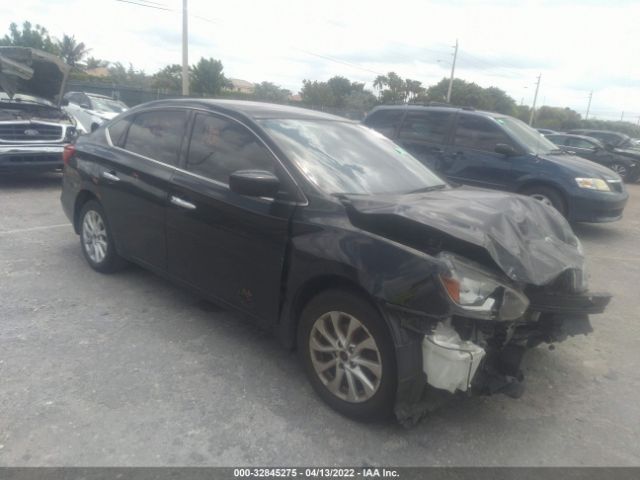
(533, 141)
(20, 98)
(108, 105)
(347, 158)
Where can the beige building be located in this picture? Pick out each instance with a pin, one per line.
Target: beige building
(241, 85)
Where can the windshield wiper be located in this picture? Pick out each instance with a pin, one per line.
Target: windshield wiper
(428, 189)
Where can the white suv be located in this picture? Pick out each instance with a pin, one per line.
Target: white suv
(90, 109)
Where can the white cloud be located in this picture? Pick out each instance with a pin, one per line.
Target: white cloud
(576, 45)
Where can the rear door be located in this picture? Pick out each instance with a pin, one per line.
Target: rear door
(134, 190)
(471, 158)
(424, 134)
(229, 246)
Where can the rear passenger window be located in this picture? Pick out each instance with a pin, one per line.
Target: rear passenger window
(157, 135)
(117, 131)
(428, 127)
(479, 133)
(219, 147)
(385, 121)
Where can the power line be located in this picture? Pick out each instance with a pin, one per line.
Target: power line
(146, 5)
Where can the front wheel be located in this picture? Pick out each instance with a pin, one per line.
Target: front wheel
(548, 196)
(96, 239)
(348, 355)
(622, 170)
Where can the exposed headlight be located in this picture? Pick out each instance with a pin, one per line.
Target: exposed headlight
(71, 134)
(593, 184)
(478, 292)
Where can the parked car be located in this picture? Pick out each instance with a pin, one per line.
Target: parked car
(616, 142)
(389, 282)
(546, 131)
(594, 150)
(33, 128)
(497, 151)
(91, 109)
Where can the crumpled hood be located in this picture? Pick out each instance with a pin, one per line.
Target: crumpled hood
(529, 241)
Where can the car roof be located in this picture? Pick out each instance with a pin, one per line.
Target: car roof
(573, 135)
(438, 108)
(89, 94)
(252, 110)
(589, 130)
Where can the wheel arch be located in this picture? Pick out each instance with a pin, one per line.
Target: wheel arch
(308, 290)
(526, 185)
(83, 197)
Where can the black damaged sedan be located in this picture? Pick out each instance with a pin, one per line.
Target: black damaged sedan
(394, 287)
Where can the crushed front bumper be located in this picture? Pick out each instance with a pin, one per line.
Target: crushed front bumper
(480, 357)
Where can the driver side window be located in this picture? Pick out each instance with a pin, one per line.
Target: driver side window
(219, 147)
(479, 133)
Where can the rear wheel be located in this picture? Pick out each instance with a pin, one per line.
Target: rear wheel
(548, 196)
(96, 239)
(348, 355)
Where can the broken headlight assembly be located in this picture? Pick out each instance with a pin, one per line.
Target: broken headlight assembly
(477, 292)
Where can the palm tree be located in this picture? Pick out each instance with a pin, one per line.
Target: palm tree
(72, 51)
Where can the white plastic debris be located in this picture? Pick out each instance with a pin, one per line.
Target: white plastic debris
(449, 362)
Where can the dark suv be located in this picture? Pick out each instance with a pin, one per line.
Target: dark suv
(497, 151)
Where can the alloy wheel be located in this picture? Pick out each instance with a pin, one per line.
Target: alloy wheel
(94, 236)
(619, 169)
(345, 357)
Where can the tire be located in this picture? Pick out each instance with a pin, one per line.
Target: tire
(547, 195)
(623, 170)
(96, 239)
(370, 355)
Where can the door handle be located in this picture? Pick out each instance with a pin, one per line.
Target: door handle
(178, 202)
(110, 176)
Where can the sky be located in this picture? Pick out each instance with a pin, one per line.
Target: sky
(577, 46)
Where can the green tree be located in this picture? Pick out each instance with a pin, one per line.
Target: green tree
(169, 78)
(317, 94)
(71, 50)
(557, 118)
(93, 62)
(392, 88)
(469, 94)
(207, 77)
(360, 100)
(33, 36)
(270, 92)
(340, 88)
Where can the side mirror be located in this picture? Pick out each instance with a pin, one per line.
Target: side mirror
(506, 150)
(64, 102)
(85, 106)
(254, 183)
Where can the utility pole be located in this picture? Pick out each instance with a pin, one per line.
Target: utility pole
(453, 70)
(586, 117)
(622, 116)
(185, 50)
(535, 99)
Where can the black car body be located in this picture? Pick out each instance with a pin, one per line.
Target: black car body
(497, 151)
(33, 127)
(337, 239)
(594, 150)
(615, 142)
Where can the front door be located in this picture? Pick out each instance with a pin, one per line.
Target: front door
(471, 158)
(229, 246)
(424, 135)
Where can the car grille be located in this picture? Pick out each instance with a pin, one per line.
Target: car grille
(29, 132)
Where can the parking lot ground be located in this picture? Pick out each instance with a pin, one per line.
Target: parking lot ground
(128, 369)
